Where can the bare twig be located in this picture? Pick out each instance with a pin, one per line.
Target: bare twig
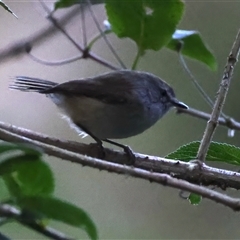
(221, 96)
(83, 26)
(9, 211)
(227, 122)
(25, 45)
(86, 53)
(195, 82)
(104, 35)
(54, 63)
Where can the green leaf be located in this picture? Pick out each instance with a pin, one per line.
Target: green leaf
(28, 150)
(218, 152)
(5, 6)
(186, 152)
(149, 23)
(12, 186)
(193, 47)
(194, 199)
(59, 210)
(69, 3)
(32, 175)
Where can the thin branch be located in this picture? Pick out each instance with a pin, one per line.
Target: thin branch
(25, 45)
(83, 26)
(104, 35)
(221, 96)
(198, 86)
(86, 53)
(195, 82)
(227, 122)
(54, 63)
(12, 212)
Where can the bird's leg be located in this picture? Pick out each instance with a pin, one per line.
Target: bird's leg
(98, 141)
(127, 150)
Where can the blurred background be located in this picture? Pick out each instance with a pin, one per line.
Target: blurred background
(123, 207)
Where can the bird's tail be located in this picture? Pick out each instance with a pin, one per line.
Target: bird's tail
(28, 84)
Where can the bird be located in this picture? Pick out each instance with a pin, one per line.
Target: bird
(113, 105)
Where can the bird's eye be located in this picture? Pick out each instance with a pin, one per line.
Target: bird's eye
(164, 93)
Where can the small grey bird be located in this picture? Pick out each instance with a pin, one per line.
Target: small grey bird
(114, 105)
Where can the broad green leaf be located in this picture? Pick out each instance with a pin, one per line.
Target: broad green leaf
(194, 199)
(59, 210)
(5, 6)
(12, 186)
(69, 3)
(149, 23)
(35, 178)
(28, 150)
(32, 175)
(218, 152)
(193, 47)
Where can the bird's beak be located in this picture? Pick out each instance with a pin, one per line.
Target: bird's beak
(178, 104)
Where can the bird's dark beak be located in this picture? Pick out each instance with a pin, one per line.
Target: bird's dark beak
(178, 104)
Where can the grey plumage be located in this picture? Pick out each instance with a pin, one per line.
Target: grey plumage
(114, 105)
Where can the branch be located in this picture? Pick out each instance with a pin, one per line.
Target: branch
(9, 211)
(221, 96)
(23, 46)
(206, 176)
(227, 122)
(86, 52)
(145, 167)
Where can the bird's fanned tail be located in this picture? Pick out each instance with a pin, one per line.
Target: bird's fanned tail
(28, 84)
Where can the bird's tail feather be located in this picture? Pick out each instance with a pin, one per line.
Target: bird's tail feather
(29, 84)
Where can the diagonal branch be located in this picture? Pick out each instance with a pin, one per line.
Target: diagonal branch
(220, 100)
(9, 211)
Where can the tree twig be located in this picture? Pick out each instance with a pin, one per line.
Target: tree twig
(104, 35)
(227, 122)
(221, 96)
(12, 212)
(25, 45)
(86, 53)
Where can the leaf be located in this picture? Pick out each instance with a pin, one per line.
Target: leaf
(5, 6)
(59, 210)
(32, 175)
(35, 178)
(28, 150)
(149, 23)
(194, 199)
(69, 3)
(12, 186)
(218, 152)
(193, 47)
